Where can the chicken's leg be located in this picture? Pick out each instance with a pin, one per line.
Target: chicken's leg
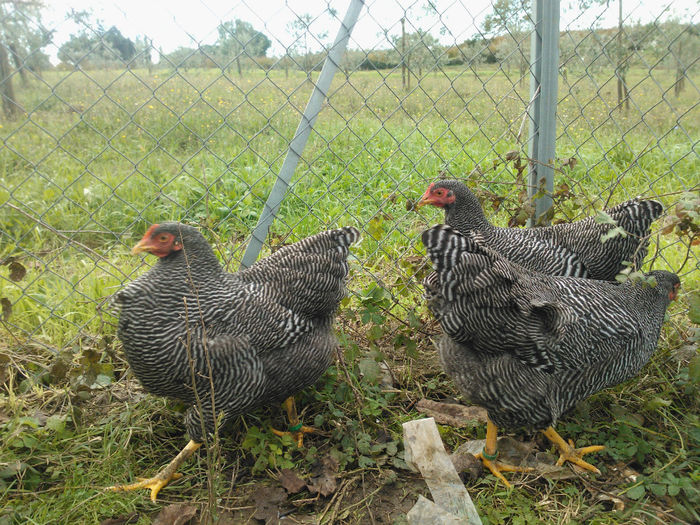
(567, 452)
(490, 453)
(163, 477)
(296, 429)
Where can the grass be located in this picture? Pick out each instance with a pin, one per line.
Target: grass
(100, 154)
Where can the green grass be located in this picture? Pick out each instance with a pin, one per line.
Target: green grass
(101, 154)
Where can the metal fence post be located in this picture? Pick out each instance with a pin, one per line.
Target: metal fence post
(544, 72)
(297, 144)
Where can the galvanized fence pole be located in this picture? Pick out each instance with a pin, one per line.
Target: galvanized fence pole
(297, 144)
(544, 72)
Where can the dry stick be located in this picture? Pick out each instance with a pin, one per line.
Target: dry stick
(337, 498)
(198, 402)
(211, 453)
(519, 136)
(343, 365)
(687, 254)
(65, 237)
(689, 190)
(368, 496)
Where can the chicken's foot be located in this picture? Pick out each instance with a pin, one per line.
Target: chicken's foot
(490, 453)
(165, 476)
(567, 451)
(296, 429)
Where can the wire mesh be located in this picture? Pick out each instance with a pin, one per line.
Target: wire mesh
(103, 134)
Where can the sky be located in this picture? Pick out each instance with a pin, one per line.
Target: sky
(176, 23)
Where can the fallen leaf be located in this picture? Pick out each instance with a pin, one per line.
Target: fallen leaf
(628, 474)
(175, 514)
(267, 502)
(467, 466)
(618, 504)
(323, 477)
(121, 520)
(17, 271)
(6, 308)
(290, 481)
(451, 413)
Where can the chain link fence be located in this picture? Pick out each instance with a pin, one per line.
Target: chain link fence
(105, 131)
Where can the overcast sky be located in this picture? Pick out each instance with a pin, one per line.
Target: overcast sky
(175, 23)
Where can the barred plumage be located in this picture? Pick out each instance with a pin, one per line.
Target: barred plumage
(267, 330)
(570, 249)
(527, 346)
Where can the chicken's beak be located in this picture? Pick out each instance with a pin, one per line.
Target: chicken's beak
(673, 295)
(144, 245)
(141, 247)
(425, 199)
(422, 202)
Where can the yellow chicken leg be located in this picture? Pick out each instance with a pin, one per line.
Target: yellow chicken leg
(567, 452)
(490, 453)
(165, 476)
(296, 429)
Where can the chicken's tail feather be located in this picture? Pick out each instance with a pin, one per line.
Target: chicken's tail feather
(308, 276)
(636, 215)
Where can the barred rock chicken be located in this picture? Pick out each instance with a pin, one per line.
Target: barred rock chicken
(572, 249)
(527, 346)
(255, 337)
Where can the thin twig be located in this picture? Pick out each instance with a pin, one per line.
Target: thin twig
(212, 454)
(688, 252)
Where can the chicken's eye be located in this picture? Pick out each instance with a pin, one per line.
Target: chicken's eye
(163, 237)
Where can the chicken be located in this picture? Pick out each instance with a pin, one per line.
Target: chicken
(241, 340)
(527, 346)
(570, 249)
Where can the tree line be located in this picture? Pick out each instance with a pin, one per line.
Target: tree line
(502, 39)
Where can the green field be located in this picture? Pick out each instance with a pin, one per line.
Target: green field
(99, 155)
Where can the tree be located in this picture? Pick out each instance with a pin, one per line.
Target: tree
(21, 39)
(144, 48)
(509, 26)
(300, 28)
(94, 45)
(239, 38)
(686, 53)
(418, 50)
(124, 46)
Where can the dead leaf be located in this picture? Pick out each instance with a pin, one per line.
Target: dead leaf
(628, 474)
(267, 502)
(467, 466)
(175, 514)
(40, 417)
(6, 308)
(451, 413)
(17, 271)
(290, 481)
(323, 477)
(121, 520)
(618, 504)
